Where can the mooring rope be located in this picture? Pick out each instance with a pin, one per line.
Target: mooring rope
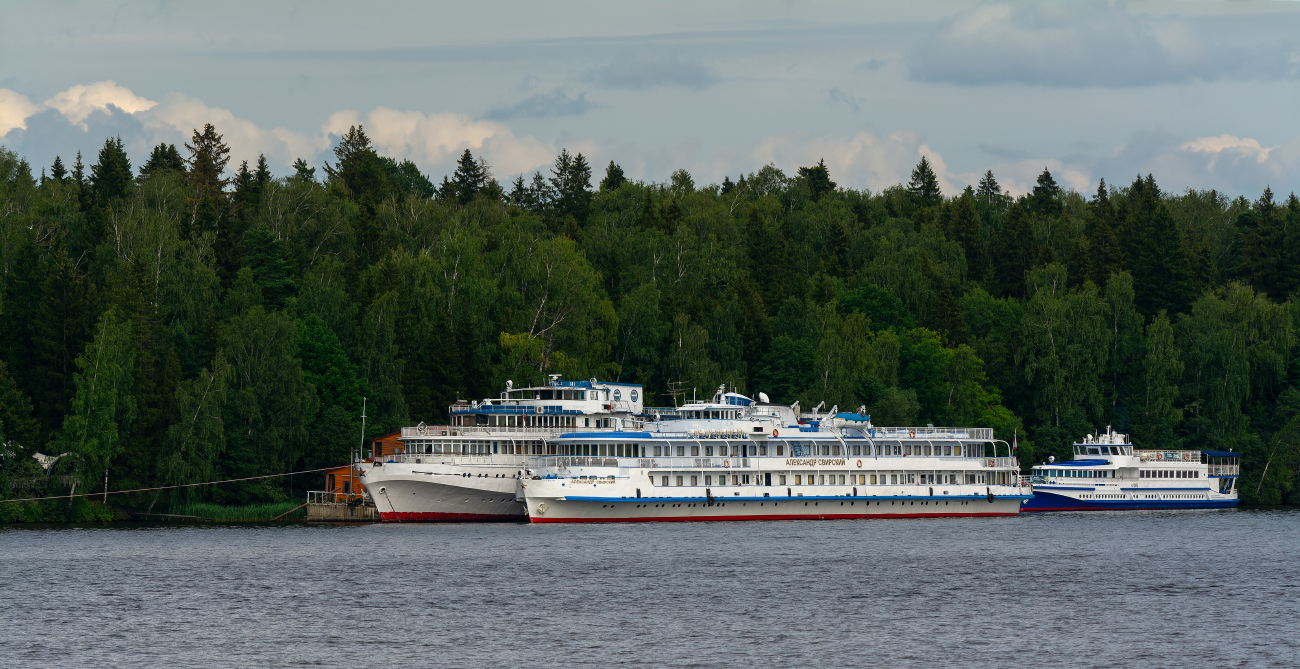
(167, 487)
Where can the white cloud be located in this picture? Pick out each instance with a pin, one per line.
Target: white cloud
(864, 160)
(439, 138)
(184, 114)
(1229, 145)
(14, 110)
(78, 102)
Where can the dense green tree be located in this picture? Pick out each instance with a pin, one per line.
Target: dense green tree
(110, 177)
(471, 177)
(924, 185)
(989, 189)
(1104, 252)
(1067, 343)
(1156, 413)
(164, 157)
(103, 405)
(1013, 252)
(818, 179)
(268, 401)
(1046, 198)
(613, 178)
(57, 171)
(303, 171)
(571, 181)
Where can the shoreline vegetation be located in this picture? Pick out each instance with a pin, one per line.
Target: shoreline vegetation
(175, 318)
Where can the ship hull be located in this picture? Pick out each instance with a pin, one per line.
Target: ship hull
(621, 510)
(1044, 501)
(409, 497)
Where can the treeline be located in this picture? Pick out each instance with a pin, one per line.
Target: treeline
(183, 321)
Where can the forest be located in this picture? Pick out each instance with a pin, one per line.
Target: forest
(175, 318)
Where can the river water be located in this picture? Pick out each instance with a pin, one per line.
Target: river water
(1135, 589)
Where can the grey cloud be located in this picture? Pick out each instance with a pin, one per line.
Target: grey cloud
(541, 105)
(1003, 152)
(837, 96)
(873, 65)
(646, 70)
(1068, 45)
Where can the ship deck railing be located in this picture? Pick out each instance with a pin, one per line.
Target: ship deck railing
(328, 497)
(482, 430)
(1223, 470)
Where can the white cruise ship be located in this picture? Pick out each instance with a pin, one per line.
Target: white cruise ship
(1108, 473)
(734, 459)
(467, 470)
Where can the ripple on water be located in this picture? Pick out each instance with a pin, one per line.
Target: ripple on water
(1150, 589)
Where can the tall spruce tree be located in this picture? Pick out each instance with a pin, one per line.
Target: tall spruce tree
(989, 189)
(924, 185)
(1106, 257)
(613, 178)
(57, 171)
(1013, 253)
(164, 158)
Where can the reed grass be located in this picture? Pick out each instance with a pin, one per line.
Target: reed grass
(247, 513)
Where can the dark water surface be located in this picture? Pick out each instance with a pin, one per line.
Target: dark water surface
(1137, 589)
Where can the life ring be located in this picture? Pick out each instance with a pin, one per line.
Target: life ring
(725, 463)
(774, 432)
(859, 464)
(991, 464)
(911, 434)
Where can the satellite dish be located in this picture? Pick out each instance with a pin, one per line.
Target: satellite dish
(762, 397)
(1051, 458)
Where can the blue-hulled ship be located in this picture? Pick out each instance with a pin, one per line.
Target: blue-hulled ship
(1108, 473)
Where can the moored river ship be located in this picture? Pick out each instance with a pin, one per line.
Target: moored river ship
(735, 459)
(468, 470)
(1108, 473)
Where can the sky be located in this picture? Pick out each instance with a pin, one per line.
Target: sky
(1201, 94)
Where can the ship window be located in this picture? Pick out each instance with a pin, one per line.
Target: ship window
(681, 450)
(665, 481)
(657, 450)
(781, 478)
(679, 480)
(798, 479)
(695, 450)
(746, 479)
(893, 478)
(708, 480)
(695, 480)
(780, 449)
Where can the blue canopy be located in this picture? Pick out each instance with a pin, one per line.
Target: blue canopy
(852, 416)
(606, 435)
(1078, 463)
(1222, 454)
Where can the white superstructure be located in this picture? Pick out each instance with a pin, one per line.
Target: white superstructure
(467, 470)
(734, 459)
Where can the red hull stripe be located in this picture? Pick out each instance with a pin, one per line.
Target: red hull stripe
(436, 517)
(810, 516)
